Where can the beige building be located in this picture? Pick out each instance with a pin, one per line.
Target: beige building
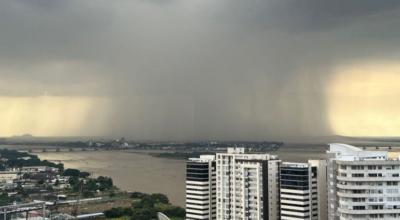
(247, 186)
(8, 176)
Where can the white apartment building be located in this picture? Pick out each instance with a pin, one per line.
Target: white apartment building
(200, 188)
(363, 184)
(303, 190)
(247, 186)
(8, 176)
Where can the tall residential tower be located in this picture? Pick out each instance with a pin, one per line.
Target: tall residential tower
(303, 191)
(363, 184)
(200, 188)
(247, 186)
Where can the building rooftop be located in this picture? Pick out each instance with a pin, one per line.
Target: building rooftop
(295, 165)
(240, 154)
(350, 153)
(236, 150)
(203, 158)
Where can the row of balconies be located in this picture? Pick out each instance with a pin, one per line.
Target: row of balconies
(364, 195)
(345, 186)
(368, 211)
(365, 179)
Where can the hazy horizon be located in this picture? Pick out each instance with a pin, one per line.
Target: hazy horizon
(324, 140)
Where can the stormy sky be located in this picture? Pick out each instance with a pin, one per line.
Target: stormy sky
(199, 69)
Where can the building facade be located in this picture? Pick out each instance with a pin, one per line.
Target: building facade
(200, 188)
(362, 184)
(8, 176)
(247, 186)
(303, 190)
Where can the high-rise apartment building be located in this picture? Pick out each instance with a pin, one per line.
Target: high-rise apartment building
(247, 186)
(363, 184)
(200, 188)
(303, 191)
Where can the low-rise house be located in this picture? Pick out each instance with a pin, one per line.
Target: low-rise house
(37, 169)
(8, 176)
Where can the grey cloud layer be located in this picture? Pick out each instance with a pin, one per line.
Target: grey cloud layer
(194, 69)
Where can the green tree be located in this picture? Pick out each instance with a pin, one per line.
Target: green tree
(175, 211)
(4, 199)
(144, 214)
(84, 174)
(118, 212)
(72, 172)
(159, 198)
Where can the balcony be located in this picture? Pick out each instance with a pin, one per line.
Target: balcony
(368, 211)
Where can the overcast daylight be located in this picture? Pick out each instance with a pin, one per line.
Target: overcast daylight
(200, 109)
(199, 69)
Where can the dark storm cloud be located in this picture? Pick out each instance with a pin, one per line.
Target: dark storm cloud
(194, 69)
(317, 14)
(304, 15)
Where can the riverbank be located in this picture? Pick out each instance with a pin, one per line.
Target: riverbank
(130, 171)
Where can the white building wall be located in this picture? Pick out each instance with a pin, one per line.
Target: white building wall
(362, 184)
(322, 191)
(8, 176)
(273, 189)
(201, 194)
(241, 181)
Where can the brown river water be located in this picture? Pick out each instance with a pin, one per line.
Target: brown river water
(144, 173)
(130, 171)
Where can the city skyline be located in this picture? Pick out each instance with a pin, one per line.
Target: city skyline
(348, 183)
(200, 109)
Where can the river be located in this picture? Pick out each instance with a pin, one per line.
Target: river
(130, 171)
(141, 172)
